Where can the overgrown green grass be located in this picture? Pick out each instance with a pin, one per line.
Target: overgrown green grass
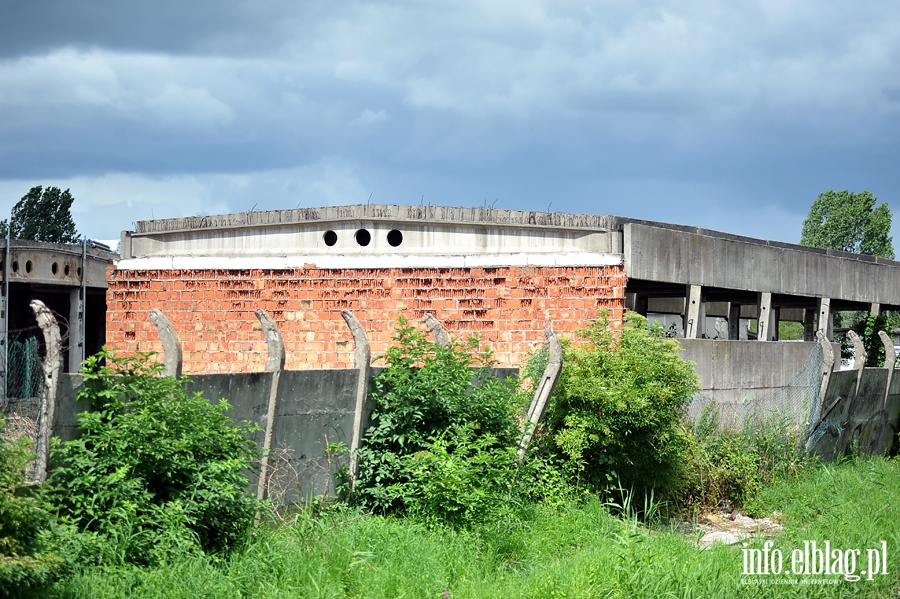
(575, 551)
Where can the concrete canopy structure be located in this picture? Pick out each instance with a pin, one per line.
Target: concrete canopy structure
(71, 280)
(501, 273)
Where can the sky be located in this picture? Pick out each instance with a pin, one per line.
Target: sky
(731, 116)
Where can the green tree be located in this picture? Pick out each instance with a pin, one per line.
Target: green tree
(850, 222)
(43, 215)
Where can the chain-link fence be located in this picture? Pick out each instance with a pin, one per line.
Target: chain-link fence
(797, 401)
(24, 386)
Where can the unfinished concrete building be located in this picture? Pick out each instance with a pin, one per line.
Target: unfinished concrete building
(71, 281)
(500, 273)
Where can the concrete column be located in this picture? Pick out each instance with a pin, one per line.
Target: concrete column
(875, 309)
(809, 325)
(76, 325)
(765, 320)
(734, 321)
(694, 314)
(826, 320)
(640, 304)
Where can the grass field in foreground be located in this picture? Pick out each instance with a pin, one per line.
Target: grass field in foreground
(579, 551)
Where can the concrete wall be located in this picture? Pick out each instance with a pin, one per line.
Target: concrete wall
(212, 310)
(741, 376)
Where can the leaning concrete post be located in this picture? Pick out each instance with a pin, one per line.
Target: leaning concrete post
(437, 330)
(274, 364)
(825, 377)
(890, 359)
(362, 357)
(543, 391)
(172, 358)
(52, 367)
(827, 363)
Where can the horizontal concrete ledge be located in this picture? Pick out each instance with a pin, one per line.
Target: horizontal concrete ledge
(357, 261)
(380, 212)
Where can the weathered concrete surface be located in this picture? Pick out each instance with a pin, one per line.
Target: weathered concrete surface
(734, 373)
(423, 231)
(57, 264)
(723, 261)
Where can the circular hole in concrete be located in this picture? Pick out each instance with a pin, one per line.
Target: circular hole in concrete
(395, 237)
(54, 268)
(66, 270)
(363, 237)
(79, 272)
(330, 238)
(28, 266)
(15, 266)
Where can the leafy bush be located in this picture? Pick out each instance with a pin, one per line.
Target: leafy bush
(25, 563)
(615, 418)
(443, 434)
(156, 469)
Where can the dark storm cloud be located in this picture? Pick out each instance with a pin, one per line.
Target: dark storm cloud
(697, 111)
(30, 27)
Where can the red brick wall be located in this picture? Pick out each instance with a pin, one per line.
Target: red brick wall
(212, 310)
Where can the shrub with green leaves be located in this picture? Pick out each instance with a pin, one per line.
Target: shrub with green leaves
(443, 434)
(156, 469)
(615, 418)
(25, 562)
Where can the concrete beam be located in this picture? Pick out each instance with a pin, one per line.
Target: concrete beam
(669, 255)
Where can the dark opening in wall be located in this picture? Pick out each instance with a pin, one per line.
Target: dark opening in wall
(395, 237)
(28, 266)
(330, 238)
(54, 267)
(363, 237)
